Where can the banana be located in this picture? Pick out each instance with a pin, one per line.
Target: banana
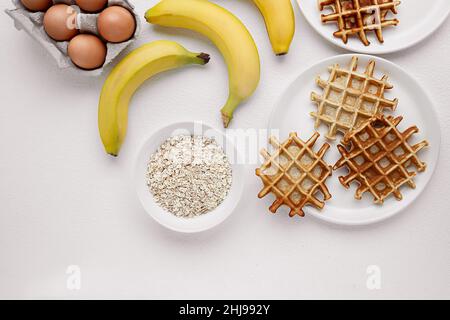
(227, 32)
(125, 79)
(280, 23)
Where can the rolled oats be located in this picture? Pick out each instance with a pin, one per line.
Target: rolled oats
(189, 175)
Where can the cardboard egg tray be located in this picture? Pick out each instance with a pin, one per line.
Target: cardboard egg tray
(32, 23)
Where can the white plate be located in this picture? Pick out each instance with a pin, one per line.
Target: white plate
(291, 113)
(203, 222)
(418, 19)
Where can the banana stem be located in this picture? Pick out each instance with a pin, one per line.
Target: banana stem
(228, 110)
(204, 57)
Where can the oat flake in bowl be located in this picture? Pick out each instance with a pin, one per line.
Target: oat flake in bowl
(189, 175)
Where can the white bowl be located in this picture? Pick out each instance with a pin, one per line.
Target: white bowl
(202, 222)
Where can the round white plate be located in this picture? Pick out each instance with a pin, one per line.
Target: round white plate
(291, 113)
(205, 221)
(418, 20)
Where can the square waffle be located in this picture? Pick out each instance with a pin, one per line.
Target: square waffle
(379, 157)
(359, 17)
(294, 173)
(350, 98)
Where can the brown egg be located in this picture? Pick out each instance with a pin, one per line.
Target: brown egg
(37, 5)
(91, 5)
(87, 51)
(116, 24)
(60, 22)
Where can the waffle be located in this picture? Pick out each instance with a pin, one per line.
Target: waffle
(379, 157)
(294, 173)
(350, 98)
(359, 17)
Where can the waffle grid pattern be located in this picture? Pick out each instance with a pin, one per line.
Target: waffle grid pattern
(378, 158)
(350, 98)
(294, 173)
(359, 17)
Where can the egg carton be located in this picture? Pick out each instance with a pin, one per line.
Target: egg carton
(32, 23)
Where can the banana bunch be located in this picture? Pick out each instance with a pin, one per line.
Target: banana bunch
(138, 66)
(223, 28)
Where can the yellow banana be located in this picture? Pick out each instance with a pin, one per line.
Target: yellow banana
(227, 32)
(125, 79)
(280, 23)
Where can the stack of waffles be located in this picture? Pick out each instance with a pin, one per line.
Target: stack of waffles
(359, 17)
(377, 155)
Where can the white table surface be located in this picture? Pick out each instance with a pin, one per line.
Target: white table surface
(64, 202)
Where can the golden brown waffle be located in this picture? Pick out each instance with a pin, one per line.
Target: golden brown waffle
(359, 17)
(350, 98)
(294, 173)
(378, 157)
